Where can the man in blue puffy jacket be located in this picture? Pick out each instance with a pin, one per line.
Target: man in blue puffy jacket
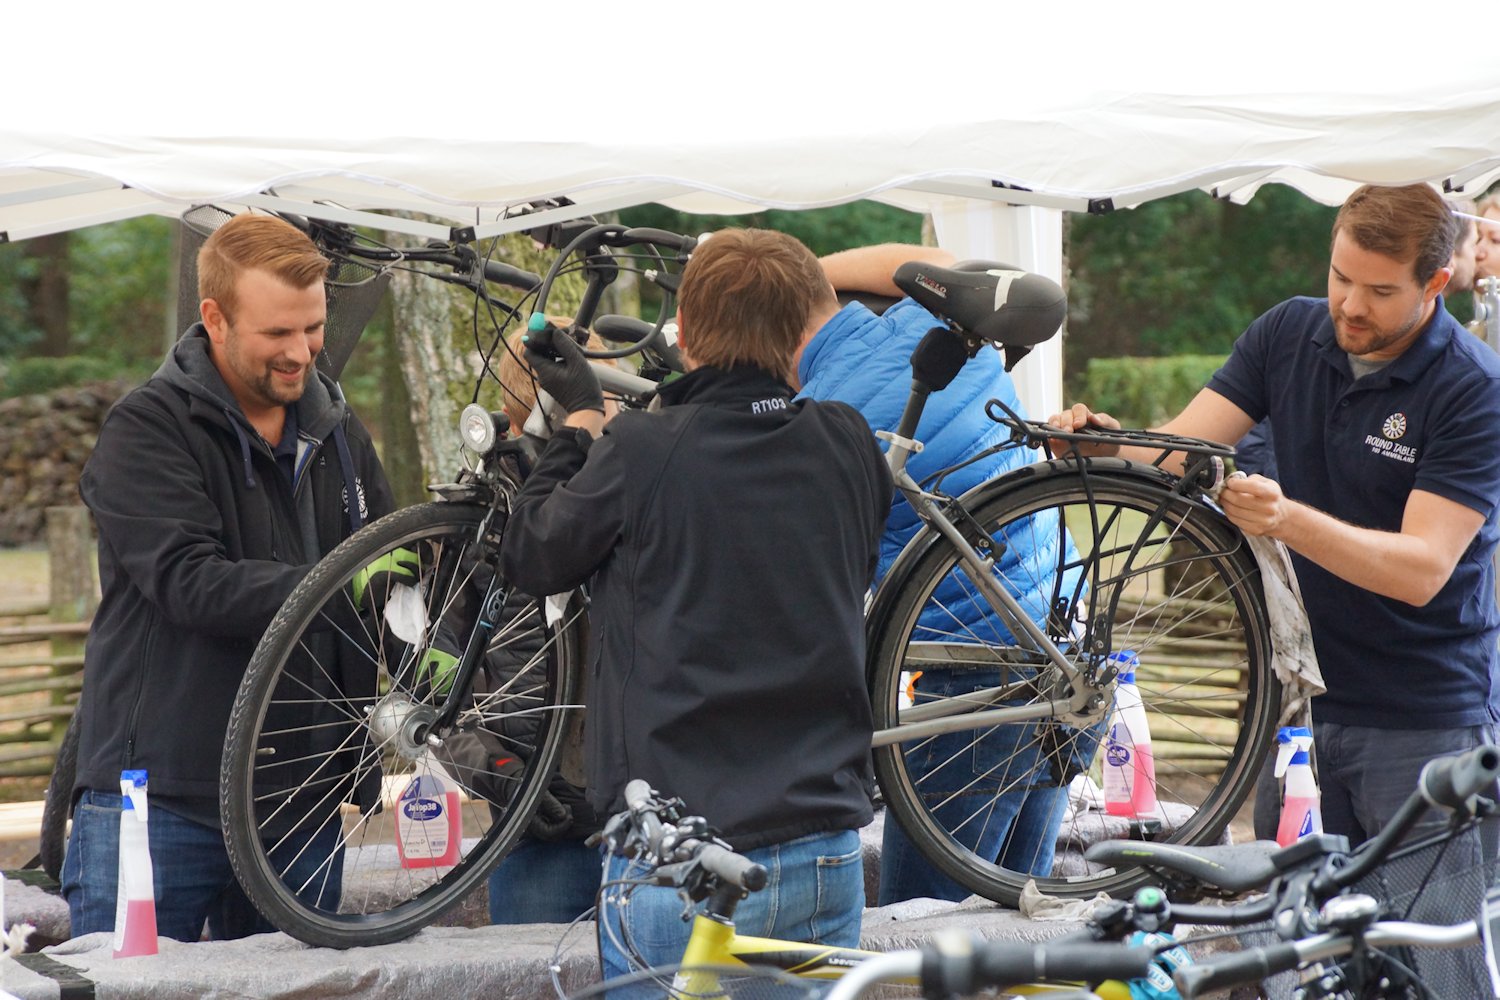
(852, 355)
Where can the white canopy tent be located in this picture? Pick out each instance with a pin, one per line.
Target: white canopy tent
(994, 119)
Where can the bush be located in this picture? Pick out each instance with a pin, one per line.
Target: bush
(1142, 392)
(29, 376)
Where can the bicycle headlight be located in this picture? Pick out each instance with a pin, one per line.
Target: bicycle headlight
(476, 427)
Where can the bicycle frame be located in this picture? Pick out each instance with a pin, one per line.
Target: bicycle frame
(1085, 691)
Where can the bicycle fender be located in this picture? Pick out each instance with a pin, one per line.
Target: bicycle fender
(928, 538)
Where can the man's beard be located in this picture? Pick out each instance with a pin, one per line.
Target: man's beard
(1371, 338)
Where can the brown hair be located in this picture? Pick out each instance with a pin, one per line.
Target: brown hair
(1411, 224)
(256, 242)
(746, 298)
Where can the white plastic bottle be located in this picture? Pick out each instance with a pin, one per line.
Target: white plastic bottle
(1301, 805)
(428, 825)
(135, 895)
(1129, 767)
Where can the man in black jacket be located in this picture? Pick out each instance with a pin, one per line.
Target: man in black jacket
(216, 486)
(729, 538)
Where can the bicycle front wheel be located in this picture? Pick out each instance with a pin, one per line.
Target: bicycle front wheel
(1105, 563)
(353, 813)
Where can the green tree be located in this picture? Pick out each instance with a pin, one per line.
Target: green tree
(120, 289)
(824, 230)
(1187, 274)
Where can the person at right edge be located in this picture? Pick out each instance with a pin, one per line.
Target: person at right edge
(729, 538)
(1383, 412)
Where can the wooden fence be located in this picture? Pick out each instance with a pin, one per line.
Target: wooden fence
(41, 649)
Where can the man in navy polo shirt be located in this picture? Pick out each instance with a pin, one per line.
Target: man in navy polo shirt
(1384, 414)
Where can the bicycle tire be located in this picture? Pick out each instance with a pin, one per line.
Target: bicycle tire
(338, 680)
(1191, 605)
(57, 806)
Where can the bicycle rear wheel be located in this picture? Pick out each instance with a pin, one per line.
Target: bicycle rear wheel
(335, 739)
(988, 805)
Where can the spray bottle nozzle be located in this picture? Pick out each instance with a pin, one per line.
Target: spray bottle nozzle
(1291, 741)
(133, 792)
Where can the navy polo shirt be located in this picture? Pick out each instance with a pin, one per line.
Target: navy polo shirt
(1430, 420)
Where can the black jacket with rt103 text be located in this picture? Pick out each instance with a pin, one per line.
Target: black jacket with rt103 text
(730, 538)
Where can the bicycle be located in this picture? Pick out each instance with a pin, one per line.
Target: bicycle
(1370, 922)
(1144, 543)
(1355, 922)
(1139, 560)
(681, 852)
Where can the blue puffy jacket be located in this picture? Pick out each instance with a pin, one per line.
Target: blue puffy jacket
(865, 360)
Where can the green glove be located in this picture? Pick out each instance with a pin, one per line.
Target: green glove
(399, 565)
(437, 668)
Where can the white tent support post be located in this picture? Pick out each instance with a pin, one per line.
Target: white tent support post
(1029, 237)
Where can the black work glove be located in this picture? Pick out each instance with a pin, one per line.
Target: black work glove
(563, 371)
(552, 818)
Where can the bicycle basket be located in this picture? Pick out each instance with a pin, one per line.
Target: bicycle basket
(1441, 883)
(733, 982)
(354, 289)
(1409, 887)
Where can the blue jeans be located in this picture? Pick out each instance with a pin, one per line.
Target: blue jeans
(815, 893)
(997, 795)
(544, 883)
(192, 879)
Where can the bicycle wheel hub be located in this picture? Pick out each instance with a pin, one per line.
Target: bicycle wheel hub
(401, 725)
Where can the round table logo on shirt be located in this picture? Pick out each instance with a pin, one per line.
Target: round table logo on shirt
(1386, 446)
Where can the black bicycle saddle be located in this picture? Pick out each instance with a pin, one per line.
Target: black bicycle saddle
(1005, 306)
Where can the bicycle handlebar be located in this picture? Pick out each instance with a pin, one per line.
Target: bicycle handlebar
(1005, 963)
(1251, 965)
(1447, 782)
(1221, 971)
(733, 868)
(1450, 782)
(669, 844)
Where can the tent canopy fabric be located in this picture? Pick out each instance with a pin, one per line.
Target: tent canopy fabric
(460, 116)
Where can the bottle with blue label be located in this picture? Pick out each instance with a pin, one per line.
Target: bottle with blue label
(429, 829)
(1301, 805)
(135, 894)
(1129, 765)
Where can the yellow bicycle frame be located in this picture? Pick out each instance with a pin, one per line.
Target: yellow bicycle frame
(714, 946)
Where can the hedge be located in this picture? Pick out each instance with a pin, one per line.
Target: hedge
(1142, 392)
(29, 376)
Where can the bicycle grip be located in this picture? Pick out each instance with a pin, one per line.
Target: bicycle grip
(660, 237)
(637, 794)
(1231, 970)
(951, 967)
(504, 274)
(733, 868)
(1449, 782)
(622, 329)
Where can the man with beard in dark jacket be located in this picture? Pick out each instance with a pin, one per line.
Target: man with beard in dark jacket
(216, 486)
(729, 538)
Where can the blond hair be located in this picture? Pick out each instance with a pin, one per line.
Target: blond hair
(256, 242)
(518, 380)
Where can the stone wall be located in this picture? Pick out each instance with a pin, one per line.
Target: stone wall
(44, 441)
